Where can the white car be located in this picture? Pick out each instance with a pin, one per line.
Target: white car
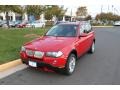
(37, 23)
(117, 23)
(29, 25)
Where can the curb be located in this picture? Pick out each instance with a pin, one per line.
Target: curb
(9, 65)
(102, 26)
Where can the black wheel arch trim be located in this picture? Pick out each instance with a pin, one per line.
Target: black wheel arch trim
(74, 52)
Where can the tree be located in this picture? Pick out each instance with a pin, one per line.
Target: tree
(116, 18)
(54, 10)
(88, 17)
(35, 10)
(10, 8)
(81, 11)
(97, 17)
(107, 17)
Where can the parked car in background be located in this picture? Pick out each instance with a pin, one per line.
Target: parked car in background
(117, 23)
(15, 23)
(37, 23)
(60, 47)
(11, 23)
(0, 20)
(22, 24)
(2, 23)
(59, 22)
(29, 24)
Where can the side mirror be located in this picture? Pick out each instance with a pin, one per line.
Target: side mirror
(83, 35)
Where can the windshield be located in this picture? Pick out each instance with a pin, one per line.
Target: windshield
(62, 31)
(36, 22)
(24, 22)
(117, 22)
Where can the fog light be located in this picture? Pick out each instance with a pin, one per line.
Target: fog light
(55, 61)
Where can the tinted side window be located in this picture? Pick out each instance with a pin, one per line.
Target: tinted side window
(82, 28)
(88, 28)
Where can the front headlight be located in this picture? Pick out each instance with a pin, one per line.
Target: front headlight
(30, 52)
(38, 54)
(54, 54)
(23, 49)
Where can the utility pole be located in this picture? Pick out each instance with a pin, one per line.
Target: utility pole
(116, 11)
(71, 15)
(108, 8)
(112, 9)
(101, 8)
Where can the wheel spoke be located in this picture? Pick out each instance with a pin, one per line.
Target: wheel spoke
(72, 64)
(93, 47)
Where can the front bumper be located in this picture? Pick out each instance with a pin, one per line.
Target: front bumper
(51, 64)
(43, 66)
(45, 61)
(29, 26)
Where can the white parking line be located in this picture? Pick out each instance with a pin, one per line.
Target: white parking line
(12, 70)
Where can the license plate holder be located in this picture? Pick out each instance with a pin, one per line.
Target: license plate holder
(32, 64)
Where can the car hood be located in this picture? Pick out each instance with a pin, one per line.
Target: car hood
(48, 43)
(28, 24)
(21, 24)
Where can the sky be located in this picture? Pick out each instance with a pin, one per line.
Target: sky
(93, 6)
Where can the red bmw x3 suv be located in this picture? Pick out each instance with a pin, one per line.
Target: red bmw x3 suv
(60, 47)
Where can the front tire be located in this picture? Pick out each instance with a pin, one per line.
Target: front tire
(70, 65)
(92, 48)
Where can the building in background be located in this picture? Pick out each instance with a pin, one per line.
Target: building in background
(14, 16)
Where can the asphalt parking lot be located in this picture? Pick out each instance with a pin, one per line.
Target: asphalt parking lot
(102, 67)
